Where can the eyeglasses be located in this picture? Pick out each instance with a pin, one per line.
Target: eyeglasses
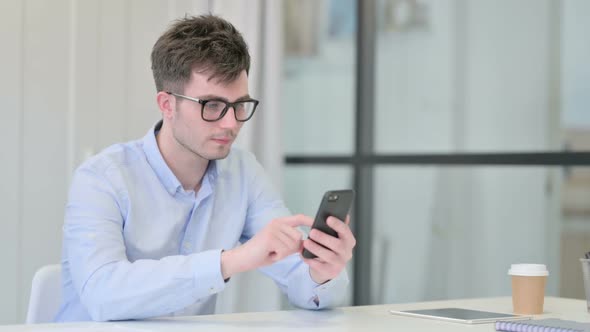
(214, 109)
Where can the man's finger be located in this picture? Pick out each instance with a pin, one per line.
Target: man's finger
(293, 233)
(298, 220)
(314, 263)
(322, 253)
(284, 245)
(326, 240)
(341, 228)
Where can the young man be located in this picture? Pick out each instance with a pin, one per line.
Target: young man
(153, 227)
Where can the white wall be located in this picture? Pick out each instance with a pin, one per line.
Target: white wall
(44, 135)
(11, 87)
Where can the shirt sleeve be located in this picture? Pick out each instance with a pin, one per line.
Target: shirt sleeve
(290, 274)
(108, 284)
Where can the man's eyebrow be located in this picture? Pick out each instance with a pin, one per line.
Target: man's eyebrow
(210, 97)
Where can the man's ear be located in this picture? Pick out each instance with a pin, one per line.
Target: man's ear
(166, 104)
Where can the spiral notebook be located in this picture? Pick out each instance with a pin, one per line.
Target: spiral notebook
(543, 325)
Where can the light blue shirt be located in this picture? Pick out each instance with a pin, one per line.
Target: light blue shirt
(137, 245)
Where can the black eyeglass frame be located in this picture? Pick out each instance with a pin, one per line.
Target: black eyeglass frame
(204, 102)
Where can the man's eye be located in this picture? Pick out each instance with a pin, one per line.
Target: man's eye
(214, 106)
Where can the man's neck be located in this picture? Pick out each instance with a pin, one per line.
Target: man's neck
(188, 168)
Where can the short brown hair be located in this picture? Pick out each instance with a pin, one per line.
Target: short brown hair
(207, 43)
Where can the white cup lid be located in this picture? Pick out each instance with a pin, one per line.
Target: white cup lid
(529, 270)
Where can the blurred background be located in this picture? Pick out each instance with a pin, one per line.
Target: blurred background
(342, 83)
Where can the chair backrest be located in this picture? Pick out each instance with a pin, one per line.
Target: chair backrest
(45, 295)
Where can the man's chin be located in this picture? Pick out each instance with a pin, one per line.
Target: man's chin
(219, 155)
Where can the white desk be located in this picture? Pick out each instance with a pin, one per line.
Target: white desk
(366, 319)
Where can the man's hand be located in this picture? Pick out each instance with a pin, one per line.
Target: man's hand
(279, 239)
(332, 259)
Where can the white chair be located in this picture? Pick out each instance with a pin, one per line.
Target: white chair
(45, 294)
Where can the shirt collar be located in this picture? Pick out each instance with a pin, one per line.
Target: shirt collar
(164, 173)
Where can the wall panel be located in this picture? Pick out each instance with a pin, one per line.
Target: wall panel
(45, 64)
(146, 23)
(11, 23)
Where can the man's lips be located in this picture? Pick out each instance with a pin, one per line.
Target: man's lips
(222, 140)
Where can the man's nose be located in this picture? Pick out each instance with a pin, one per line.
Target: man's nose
(229, 119)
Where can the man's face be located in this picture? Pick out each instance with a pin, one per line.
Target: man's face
(208, 140)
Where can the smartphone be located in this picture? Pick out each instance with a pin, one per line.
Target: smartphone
(336, 203)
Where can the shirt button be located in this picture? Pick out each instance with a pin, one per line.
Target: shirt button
(212, 290)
